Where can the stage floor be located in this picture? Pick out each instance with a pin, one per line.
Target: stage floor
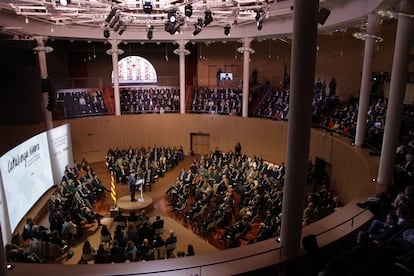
(125, 204)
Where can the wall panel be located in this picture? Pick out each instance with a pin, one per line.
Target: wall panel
(351, 169)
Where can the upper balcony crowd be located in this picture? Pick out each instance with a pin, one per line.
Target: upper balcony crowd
(82, 103)
(217, 100)
(150, 100)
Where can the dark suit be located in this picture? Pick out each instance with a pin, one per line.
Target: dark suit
(131, 182)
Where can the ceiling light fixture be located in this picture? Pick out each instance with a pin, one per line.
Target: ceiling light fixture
(110, 15)
(198, 26)
(64, 2)
(118, 25)
(149, 32)
(114, 21)
(173, 23)
(208, 17)
(106, 33)
(260, 17)
(172, 16)
(188, 10)
(147, 7)
(123, 29)
(227, 29)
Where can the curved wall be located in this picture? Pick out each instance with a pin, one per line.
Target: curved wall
(351, 169)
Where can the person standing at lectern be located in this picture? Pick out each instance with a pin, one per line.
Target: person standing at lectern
(131, 182)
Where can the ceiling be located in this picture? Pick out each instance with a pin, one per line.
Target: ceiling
(88, 19)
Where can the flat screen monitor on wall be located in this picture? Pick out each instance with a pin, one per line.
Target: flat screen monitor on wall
(226, 76)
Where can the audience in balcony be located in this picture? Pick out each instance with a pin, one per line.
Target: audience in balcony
(150, 100)
(217, 100)
(82, 103)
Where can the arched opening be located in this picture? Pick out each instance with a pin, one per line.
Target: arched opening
(135, 70)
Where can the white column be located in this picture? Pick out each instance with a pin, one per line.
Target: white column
(300, 122)
(182, 52)
(365, 91)
(115, 51)
(400, 65)
(246, 51)
(41, 51)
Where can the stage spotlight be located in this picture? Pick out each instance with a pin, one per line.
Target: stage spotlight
(118, 25)
(175, 28)
(188, 10)
(258, 14)
(322, 15)
(198, 26)
(208, 17)
(172, 16)
(64, 2)
(110, 15)
(147, 7)
(106, 33)
(149, 32)
(114, 21)
(174, 22)
(172, 28)
(227, 29)
(122, 30)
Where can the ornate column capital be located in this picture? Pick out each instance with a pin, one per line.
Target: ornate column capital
(181, 51)
(246, 46)
(41, 45)
(245, 49)
(46, 49)
(114, 50)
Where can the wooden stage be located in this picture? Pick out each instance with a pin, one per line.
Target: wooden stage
(125, 204)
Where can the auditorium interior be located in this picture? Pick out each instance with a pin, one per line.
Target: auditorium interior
(249, 102)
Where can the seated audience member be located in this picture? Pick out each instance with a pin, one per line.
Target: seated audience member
(120, 236)
(145, 252)
(171, 240)
(58, 242)
(131, 251)
(132, 232)
(380, 206)
(143, 218)
(119, 219)
(381, 230)
(88, 251)
(28, 229)
(404, 172)
(190, 250)
(69, 229)
(133, 217)
(117, 253)
(158, 241)
(105, 237)
(158, 223)
(102, 256)
(23, 257)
